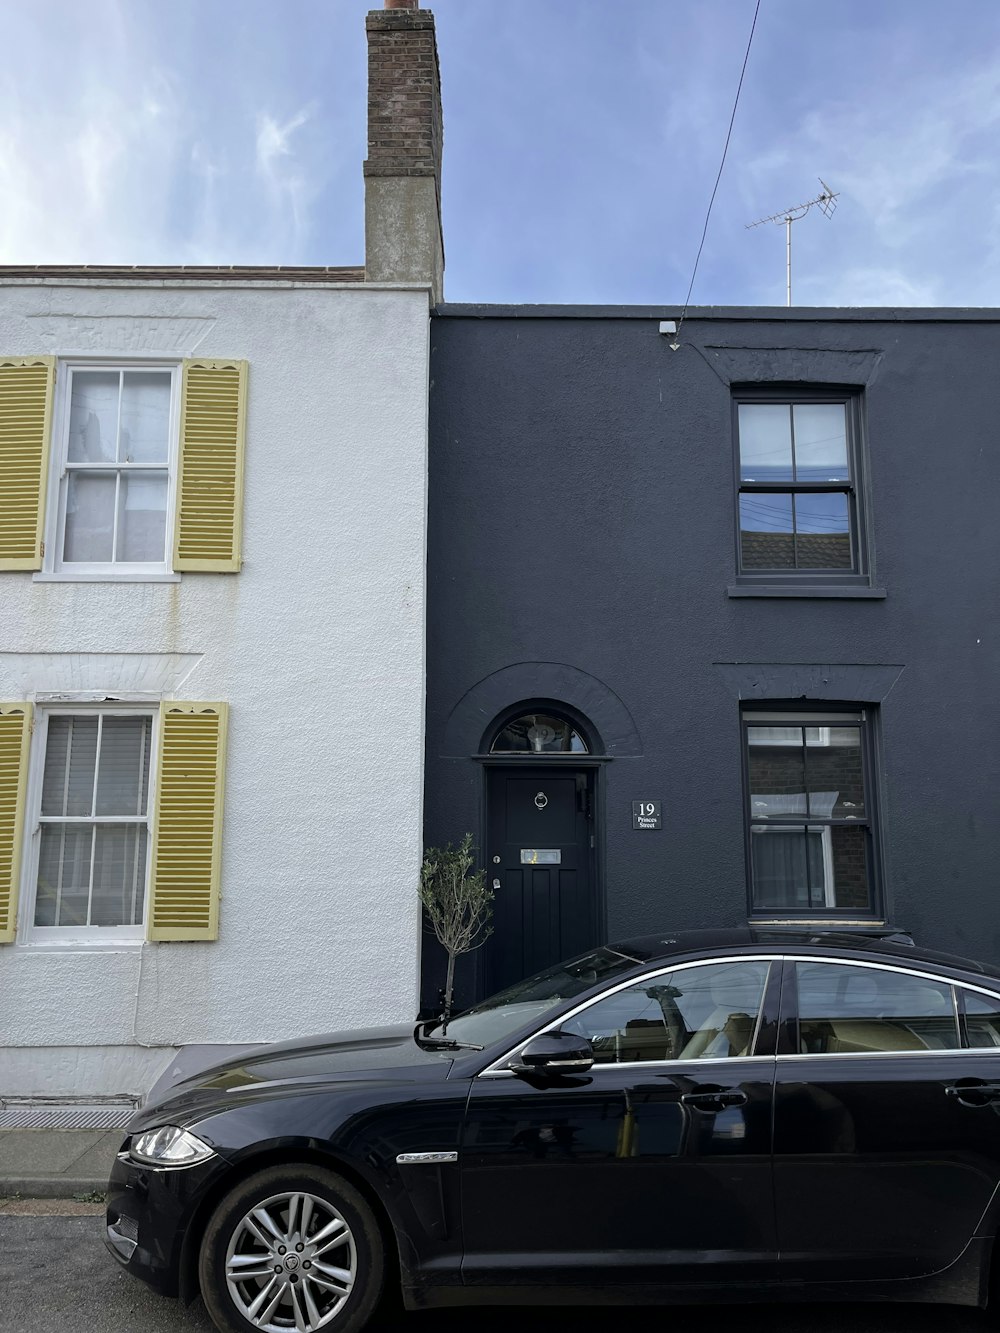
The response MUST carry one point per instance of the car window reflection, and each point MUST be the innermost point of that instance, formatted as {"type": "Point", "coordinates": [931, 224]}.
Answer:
{"type": "Point", "coordinates": [982, 1019]}
{"type": "Point", "coordinates": [699, 1013]}
{"type": "Point", "coordinates": [505, 1012]}
{"type": "Point", "coordinates": [846, 1010]}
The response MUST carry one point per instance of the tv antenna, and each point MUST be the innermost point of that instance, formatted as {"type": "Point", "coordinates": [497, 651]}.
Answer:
{"type": "Point", "coordinates": [827, 202]}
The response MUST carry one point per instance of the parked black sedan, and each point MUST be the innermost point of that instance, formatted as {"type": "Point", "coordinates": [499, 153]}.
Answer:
{"type": "Point", "coordinates": [685, 1118]}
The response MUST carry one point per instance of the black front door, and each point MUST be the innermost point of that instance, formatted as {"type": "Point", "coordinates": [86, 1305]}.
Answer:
{"type": "Point", "coordinates": [540, 861]}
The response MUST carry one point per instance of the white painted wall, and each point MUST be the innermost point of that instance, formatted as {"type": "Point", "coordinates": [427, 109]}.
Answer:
{"type": "Point", "coordinates": [318, 645]}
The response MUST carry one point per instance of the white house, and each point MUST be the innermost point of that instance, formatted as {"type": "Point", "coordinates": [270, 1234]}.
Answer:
{"type": "Point", "coordinates": [212, 553]}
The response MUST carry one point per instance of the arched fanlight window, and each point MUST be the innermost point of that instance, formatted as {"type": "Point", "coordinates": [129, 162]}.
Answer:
{"type": "Point", "coordinates": [538, 733]}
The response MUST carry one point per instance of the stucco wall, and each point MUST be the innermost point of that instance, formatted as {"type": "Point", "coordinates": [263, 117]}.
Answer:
{"type": "Point", "coordinates": [582, 513]}
{"type": "Point", "coordinates": [317, 645]}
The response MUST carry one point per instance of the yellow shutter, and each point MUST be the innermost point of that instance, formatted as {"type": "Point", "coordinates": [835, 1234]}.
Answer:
{"type": "Point", "coordinates": [209, 515]}
{"type": "Point", "coordinates": [26, 386]}
{"type": "Point", "coordinates": [15, 735]}
{"type": "Point", "coordinates": [187, 823]}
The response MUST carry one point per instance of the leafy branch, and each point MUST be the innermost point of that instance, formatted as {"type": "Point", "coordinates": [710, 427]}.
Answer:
{"type": "Point", "coordinates": [458, 904]}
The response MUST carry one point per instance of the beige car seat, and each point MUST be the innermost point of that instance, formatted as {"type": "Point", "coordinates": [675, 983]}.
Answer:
{"type": "Point", "coordinates": [728, 1030]}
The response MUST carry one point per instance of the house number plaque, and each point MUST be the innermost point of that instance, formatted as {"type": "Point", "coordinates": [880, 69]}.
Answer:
{"type": "Point", "coordinates": [646, 815]}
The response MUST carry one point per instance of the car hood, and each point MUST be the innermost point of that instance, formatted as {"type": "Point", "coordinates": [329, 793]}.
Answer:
{"type": "Point", "coordinates": [305, 1064]}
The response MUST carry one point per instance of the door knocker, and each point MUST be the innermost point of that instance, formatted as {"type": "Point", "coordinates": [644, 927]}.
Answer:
{"type": "Point", "coordinates": [541, 800]}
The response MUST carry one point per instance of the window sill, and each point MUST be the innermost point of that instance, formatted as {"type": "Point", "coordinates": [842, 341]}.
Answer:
{"type": "Point", "coordinates": [95, 577]}
{"type": "Point", "coordinates": [816, 590]}
{"type": "Point", "coordinates": [78, 945]}
{"type": "Point", "coordinates": [853, 924]}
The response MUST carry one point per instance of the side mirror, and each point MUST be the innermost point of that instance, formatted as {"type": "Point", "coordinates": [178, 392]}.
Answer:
{"type": "Point", "coordinates": [554, 1053]}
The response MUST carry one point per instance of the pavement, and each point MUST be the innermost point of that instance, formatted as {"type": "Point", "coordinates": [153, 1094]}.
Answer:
{"type": "Point", "coordinates": [56, 1163]}
{"type": "Point", "coordinates": [53, 1149]}
{"type": "Point", "coordinates": [56, 1277]}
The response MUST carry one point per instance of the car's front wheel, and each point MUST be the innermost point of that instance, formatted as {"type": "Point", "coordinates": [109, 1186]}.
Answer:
{"type": "Point", "coordinates": [293, 1247]}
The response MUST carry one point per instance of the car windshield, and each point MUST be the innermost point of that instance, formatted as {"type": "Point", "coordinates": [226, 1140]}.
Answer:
{"type": "Point", "coordinates": [504, 1013]}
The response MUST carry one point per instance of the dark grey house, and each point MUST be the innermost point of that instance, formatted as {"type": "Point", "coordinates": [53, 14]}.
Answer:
{"type": "Point", "coordinates": [713, 629]}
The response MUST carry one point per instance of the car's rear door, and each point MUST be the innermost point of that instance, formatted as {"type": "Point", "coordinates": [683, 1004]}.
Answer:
{"type": "Point", "coordinates": [886, 1131]}
{"type": "Point", "coordinates": [655, 1167]}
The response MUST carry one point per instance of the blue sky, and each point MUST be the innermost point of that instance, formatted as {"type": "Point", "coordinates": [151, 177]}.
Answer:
{"type": "Point", "coordinates": [582, 139]}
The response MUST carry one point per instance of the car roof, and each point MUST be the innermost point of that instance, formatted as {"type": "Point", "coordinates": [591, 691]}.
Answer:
{"type": "Point", "coordinates": [890, 945]}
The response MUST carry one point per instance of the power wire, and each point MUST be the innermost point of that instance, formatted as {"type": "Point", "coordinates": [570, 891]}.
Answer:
{"type": "Point", "coordinates": [729, 135]}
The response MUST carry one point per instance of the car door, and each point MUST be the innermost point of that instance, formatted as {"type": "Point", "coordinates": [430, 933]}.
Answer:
{"type": "Point", "coordinates": [886, 1137]}
{"type": "Point", "coordinates": [652, 1168]}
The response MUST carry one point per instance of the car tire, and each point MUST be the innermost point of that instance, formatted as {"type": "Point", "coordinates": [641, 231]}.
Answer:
{"type": "Point", "coordinates": [331, 1270]}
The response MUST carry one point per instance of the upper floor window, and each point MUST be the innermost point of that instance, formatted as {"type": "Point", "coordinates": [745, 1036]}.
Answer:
{"type": "Point", "coordinates": [811, 815]}
{"type": "Point", "coordinates": [115, 450]}
{"type": "Point", "coordinates": [800, 499]}
{"type": "Point", "coordinates": [128, 471]}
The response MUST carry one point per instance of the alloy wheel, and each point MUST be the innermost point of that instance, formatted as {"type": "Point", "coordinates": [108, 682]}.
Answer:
{"type": "Point", "coordinates": [291, 1263]}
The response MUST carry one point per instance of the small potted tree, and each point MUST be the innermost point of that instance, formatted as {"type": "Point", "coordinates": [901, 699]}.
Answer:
{"type": "Point", "coordinates": [458, 904]}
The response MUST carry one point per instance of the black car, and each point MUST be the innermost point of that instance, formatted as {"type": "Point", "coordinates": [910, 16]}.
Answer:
{"type": "Point", "coordinates": [686, 1118]}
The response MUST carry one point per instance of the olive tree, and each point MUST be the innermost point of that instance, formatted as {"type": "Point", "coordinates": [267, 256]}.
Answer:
{"type": "Point", "coordinates": [458, 904]}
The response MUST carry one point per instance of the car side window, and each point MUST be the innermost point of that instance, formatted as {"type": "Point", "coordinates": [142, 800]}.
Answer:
{"type": "Point", "coordinates": [846, 1010]}
{"type": "Point", "coordinates": [982, 1018]}
{"type": "Point", "coordinates": [697, 1013]}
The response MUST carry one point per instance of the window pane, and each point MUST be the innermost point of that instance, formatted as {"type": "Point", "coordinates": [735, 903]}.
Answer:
{"type": "Point", "coordinates": [789, 872]}
{"type": "Point", "coordinates": [822, 525]}
{"type": "Point", "coordinates": [835, 772]}
{"type": "Point", "coordinates": [538, 733]}
{"type": "Point", "coordinates": [699, 1013]}
{"type": "Point", "coordinates": [119, 874]}
{"type": "Point", "coordinates": [813, 867]}
{"type": "Point", "coordinates": [765, 431]}
{"type": "Point", "coordinates": [145, 419]}
{"type": "Point", "coordinates": [848, 860]}
{"type": "Point", "coordinates": [825, 783]}
{"type": "Point", "coordinates": [123, 770]}
{"type": "Point", "coordinates": [845, 1009]}
{"type": "Point", "coordinates": [63, 875]}
{"type": "Point", "coordinates": [93, 416]}
{"type": "Point", "coordinates": [70, 755]}
{"type": "Point", "coordinates": [90, 517]}
{"type": "Point", "coordinates": [982, 1019]}
{"type": "Point", "coordinates": [766, 531]}
{"type": "Point", "coordinates": [777, 774]}
{"type": "Point", "coordinates": [142, 516]}
{"type": "Point", "coordinates": [821, 442]}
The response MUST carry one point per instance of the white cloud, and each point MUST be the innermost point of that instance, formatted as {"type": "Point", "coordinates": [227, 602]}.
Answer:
{"type": "Point", "coordinates": [918, 181]}
{"type": "Point", "coordinates": [273, 140]}
{"type": "Point", "coordinates": [88, 181]}
{"type": "Point", "coordinates": [872, 286]}
{"type": "Point", "coordinates": [126, 159]}
{"type": "Point", "coordinates": [284, 175]}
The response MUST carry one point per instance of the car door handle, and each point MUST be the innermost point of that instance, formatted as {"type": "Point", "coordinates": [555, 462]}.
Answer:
{"type": "Point", "coordinates": [714, 1099]}
{"type": "Point", "coordinates": [973, 1092]}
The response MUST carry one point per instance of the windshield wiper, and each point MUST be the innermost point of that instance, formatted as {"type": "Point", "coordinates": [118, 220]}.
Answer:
{"type": "Point", "coordinates": [429, 1043]}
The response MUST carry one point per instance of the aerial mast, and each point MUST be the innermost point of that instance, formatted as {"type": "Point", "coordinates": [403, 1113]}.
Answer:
{"type": "Point", "coordinates": [827, 202]}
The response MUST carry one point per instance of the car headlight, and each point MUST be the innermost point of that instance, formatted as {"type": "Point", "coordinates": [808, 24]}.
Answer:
{"type": "Point", "coordinates": [169, 1146]}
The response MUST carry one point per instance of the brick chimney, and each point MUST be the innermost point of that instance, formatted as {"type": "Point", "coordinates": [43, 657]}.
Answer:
{"type": "Point", "coordinates": [403, 241]}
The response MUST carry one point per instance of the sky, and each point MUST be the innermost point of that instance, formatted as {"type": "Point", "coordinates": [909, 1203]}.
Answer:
{"type": "Point", "coordinates": [582, 141]}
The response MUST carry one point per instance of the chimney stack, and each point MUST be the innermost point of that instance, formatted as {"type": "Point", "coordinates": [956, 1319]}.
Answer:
{"type": "Point", "coordinates": [403, 241]}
